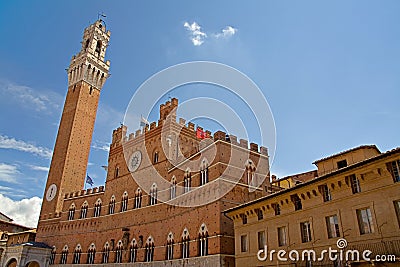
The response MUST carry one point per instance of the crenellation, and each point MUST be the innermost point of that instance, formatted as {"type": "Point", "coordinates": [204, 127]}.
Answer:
{"type": "Point", "coordinates": [233, 139]}
{"type": "Point", "coordinates": [263, 150]}
{"type": "Point", "coordinates": [254, 147]}
{"type": "Point", "coordinates": [191, 126]}
{"type": "Point", "coordinates": [169, 108]}
{"type": "Point", "coordinates": [174, 102]}
{"type": "Point", "coordinates": [84, 192]}
{"type": "Point", "coordinates": [122, 130]}
{"type": "Point", "coordinates": [182, 121]}
{"type": "Point", "coordinates": [244, 143]}
{"type": "Point", "coordinates": [219, 135]}
{"type": "Point", "coordinates": [119, 134]}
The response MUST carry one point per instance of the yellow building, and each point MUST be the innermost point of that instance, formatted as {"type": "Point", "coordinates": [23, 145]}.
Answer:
{"type": "Point", "coordinates": [353, 207]}
{"type": "Point", "coordinates": [293, 180]}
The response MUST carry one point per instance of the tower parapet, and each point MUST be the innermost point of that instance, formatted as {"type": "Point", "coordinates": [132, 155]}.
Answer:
{"type": "Point", "coordinates": [167, 108]}
{"type": "Point", "coordinates": [119, 134]}
{"type": "Point", "coordinates": [89, 65]}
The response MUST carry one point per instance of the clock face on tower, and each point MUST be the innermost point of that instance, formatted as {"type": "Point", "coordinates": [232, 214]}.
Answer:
{"type": "Point", "coordinates": [51, 192]}
{"type": "Point", "coordinates": [135, 160]}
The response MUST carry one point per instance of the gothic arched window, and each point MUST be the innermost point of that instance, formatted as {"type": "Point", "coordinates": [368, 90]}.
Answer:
{"type": "Point", "coordinates": [106, 253]}
{"type": "Point", "coordinates": [250, 170]}
{"type": "Point", "coordinates": [91, 254]}
{"type": "Point", "coordinates": [71, 212]}
{"type": "Point", "coordinates": [97, 208]}
{"type": "Point", "coordinates": [111, 206]}
{"type": "Point", "coordinates": [149, 253]}
{"type": "Point", "coordinates": [187, 181]}
{"type": "Point", "coordinates": [84, 210]}
{"type": "Point", "coordinates": [77, 254]}
{"type": "Point", "coordinates": [124, 202]}
{"type": "Point", "coordinates": [98, 47]}
{"type": "Point", "coordinates": [133, 251]}
{"type": "Point", "coordinates": [138, 198]}
{"type": "Point", "coordinates": [53, 255]}
{"type": "Point", "coordinates": [170, 246]}
{"type": "Point", "coordinates": [153, 195]}
{"type": "Point", "coordinates": [64, 255]}
{"type": "Point", "coordinates": [203, 240]}
{"type": "Point", "coordinates": [204, 172]}
{"type": "Point", "coordinates": [118, 252]}
{"type": "Point", "coordinates": [185, 243]}
{"type": "Point", "coordinates": [173, 188]}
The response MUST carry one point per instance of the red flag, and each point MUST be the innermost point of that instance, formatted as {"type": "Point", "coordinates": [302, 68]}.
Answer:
{"type": "Point", "coordinates": [200, 133]}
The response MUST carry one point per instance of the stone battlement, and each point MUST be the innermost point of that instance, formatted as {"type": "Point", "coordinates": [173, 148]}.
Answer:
{"type": "Point", "coordinates": [120, 135]}
{"type": "Point", "coordinates": [220, 135]}
{"type": "Point", "coordinates": [84, 192]}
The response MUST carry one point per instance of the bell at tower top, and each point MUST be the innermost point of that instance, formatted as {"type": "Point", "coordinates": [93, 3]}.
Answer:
{"type": "Point", "coordinates": [95, 39]}
{"type": "Point", "coordinates": [89, 64]}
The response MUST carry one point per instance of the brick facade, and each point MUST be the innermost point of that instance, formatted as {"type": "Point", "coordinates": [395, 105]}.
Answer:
{"type": "Point", "coordinates": [185, 227]}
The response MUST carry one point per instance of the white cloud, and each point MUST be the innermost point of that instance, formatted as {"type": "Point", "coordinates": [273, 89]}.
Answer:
{"type": "Point", "coordinates": [39, 168]}
{"type": "Point", "coordinates": [196, 35]}
{"type": "Point", "coordinates": [25, 211]}
{"type": "Point", "coordinates": [227, 32]}
{"type": "Point", "coordinates": [101, 146]}
{"type": "Point", "coordinates": [8, 173]}
{"type": "Point", "coordinates": [30, 98]}
{"type": "Point", "coordinates": [5, 188]}
{"type": "Point", "coordinates": [11, 143]}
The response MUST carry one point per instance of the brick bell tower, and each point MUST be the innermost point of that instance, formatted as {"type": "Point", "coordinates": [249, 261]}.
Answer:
{"type": "Point", "coordinates": [87, 73]}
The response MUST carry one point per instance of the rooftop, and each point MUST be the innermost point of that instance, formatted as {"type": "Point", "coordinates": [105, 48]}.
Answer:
{"type": "Point", "coordinates": [347, 151]}
{"type": "Point", "coordinates": [33, 244]}
{"type": "Point", "coordinates": [3, 216]}
{"type": "Point", "coordinates": [355, 165]}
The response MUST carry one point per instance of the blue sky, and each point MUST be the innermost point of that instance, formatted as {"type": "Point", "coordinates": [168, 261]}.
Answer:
{"type": "Point", "coordinates": [329, 70]}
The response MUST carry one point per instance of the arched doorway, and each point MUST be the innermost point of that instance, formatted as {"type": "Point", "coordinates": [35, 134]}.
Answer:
{"type": "Point", "coordinates": [12, 263]}
{"type": "Point", "coordinates": [32, 264]}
